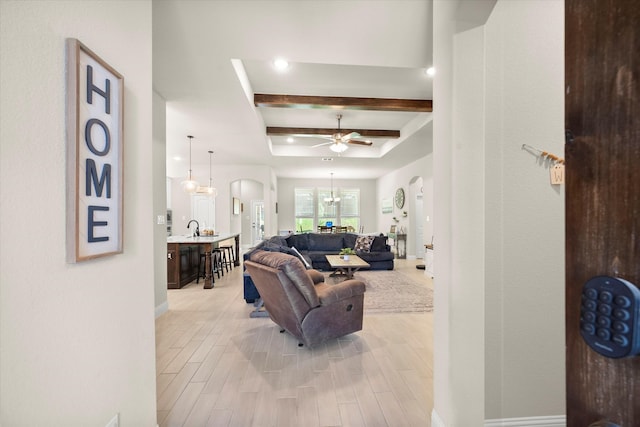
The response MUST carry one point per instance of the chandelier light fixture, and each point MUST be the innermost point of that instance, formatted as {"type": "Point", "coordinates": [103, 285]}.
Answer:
{"type": "Point", "coordinates": [210, 190]}
{"type": "Point", "coordinates": [189, 185]}
{"type": "Point", "coordinates": [331, 200]}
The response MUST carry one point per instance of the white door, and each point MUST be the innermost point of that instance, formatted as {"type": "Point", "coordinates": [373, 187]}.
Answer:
{"type": "Point", "coordinates": [257, 221]}
{"type": "Point", "coordinates": [419, 227]}
{"type": "Point", "coordinates": [203, 210]}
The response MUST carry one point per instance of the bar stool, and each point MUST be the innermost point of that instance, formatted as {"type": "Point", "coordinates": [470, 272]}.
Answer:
{"type": "Point", "coordinates": [220, 257]}
{"type": "Point", "coordinates": [230, 259]}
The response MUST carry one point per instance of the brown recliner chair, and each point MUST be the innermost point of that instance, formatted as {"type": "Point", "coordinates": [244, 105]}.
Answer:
{"type": "Point", "coordinates": [301, 303]}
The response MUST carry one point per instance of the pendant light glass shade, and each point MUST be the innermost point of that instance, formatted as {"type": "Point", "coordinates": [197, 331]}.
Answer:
{"type": "Point", "coordinates": [189, 185]}
{"type": "Point", "coordinates": [210, 190]}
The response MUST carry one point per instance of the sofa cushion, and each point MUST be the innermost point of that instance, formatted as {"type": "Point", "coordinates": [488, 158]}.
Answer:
{"type": "Point", "coordinates": [300, 241]}
{"type": "Point", "coordinates": [325, 242]}
{"type": "Point", "coordinates": [376, 256]}
{"type": "Point", "coordinates": [350, 240]}
{"type": "Point", "coordinates": [379, 244]}
{"type": "Point", "coordinates": [296, 252]}
{"type": "Point", "coordinates": [363, 243]}
{"type": "Point", "coordinates": [319, 256]}
{"type": "Point", "coordinates": [277, 240]}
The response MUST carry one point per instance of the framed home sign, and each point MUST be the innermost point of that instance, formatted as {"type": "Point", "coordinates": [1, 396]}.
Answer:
{"type": "Point", "coordinates": [94, 155]}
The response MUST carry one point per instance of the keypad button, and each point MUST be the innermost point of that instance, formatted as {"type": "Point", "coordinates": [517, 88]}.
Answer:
{"type": "Point", "coordinates": [604, 309]}
{"type": "Point", "coordinates": [591, 293]}
{"type": "Point", "coordinates": [621, 314]}
{"type": "Point", "coordinates": [621, 340]}
{"type": "Point", "coordinates": [604, 321]}
{"type": "Point", "coordinates": [606, 297]}
{"type": "Point", "coordinates": [589, 328]}
{"type": "Point", "coordinates": [620, 327]}
{"type": "Point", "coordinates": [603, 334]}
{"type": "Point", "coordinates": [589, 316]}
{"type": "Point", "coordinates": [590, 305]}
{"type": "Point", "coordinates": [622, 301]}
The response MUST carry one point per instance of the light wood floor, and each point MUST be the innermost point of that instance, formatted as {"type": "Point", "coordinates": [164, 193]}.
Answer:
{"type": "Point", "coordinates": [218, 367]}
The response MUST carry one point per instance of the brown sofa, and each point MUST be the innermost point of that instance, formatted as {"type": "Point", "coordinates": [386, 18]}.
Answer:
{"type": "Point", "coordinates": [301, 303]}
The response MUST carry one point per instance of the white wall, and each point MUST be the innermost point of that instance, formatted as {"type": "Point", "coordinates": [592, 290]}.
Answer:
{"type": "Point", "coordinates": [458, 199]}
{"type": "Point", "coordinates": [524, 212]}
{"type": "Point", "coordinates": [77, 339]}
{"type": "Point", "coordinates": [386, 187]}
{"type": "Point", "coordinates": [160, 204]}
{"type": "Point", "coordinates": [499, 263]}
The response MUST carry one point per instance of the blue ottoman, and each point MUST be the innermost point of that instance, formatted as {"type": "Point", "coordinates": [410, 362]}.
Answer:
{"type": "Point", "coordinates": [250, 292]}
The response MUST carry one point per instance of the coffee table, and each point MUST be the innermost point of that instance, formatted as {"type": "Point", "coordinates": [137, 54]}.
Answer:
{"type": "Point", "coordinates": [346, 267]}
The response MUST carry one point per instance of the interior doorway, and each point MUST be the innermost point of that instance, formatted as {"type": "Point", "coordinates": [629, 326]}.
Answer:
{"type": "Point", "coordinates": [249, 192]}
{"type": "Point", "coordinates": [257, 221]}
{"type": "Point", "coordinates": [203, 210]}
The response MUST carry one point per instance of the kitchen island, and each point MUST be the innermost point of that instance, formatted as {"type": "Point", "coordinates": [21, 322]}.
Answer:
{"type": "Point", "coordinates": [183, 257]}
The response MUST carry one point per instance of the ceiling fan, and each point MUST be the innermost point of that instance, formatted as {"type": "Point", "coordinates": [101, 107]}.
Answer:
{"type": "Point", "coordinates": [339, 140]}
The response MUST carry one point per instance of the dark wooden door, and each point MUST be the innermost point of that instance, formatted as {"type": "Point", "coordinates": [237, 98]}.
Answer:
{"type": "Point", "coordinates": [602, 111]}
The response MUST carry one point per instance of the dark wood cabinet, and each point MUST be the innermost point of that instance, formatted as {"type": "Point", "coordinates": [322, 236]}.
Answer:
{"type": "Point", "coordinates": [183, 262]}
{"type": "Point", "coordinates": [183, 258]}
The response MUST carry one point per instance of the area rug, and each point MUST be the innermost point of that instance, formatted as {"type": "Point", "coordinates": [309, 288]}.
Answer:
{"type": "Point", "coordinates": [391, 292]}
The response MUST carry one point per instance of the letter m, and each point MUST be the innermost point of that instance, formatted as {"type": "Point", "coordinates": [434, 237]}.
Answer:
{"type": "Point", "coordinates": [91, 175]}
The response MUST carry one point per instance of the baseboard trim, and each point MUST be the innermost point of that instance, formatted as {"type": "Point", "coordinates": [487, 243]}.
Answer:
{"type": "Point", "coordinates": [436, 421]}
{"type": "Point", "coordinates": [161, 309]}
{"type": "Point", "coordinates": [551, 421]}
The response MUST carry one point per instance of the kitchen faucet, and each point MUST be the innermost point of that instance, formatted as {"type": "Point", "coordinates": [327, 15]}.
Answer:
{"type": "Point", "coordinates": [197, 232]}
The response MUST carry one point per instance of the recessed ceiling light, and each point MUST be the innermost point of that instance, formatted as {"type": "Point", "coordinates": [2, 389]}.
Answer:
{"type": "Point", "coordinates": [430, 71]}
{"type": "Point", "coordinates": [177, 158]}
{"type": "Point", "coordinates": [290, 140]}
{"type": "Point", "coordinates": [281, 64]}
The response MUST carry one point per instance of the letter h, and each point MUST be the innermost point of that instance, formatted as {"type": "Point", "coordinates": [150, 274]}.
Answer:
{"type": "Point", "coordinates": [106, 94]}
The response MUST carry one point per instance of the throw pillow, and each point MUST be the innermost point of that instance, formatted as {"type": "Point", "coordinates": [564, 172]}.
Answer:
{"type": "Point", "coordinates": [363, 243]}
{"type": "Point", "coordinates": [299, 255]}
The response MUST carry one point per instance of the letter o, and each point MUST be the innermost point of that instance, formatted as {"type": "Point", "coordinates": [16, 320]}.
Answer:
{"type": "Point", "coordinates": [87, 137]}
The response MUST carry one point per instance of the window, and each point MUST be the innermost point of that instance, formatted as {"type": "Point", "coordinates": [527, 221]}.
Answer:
{"type": "Point", "coordinates": [350, 208]}
{"type": "Point", "coordinates": [304, 209]}
{"type": "Point", "coordinates": [312, 210]}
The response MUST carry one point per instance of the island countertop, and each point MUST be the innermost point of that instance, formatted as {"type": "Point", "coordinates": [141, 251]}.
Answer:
{"type": "Point", "coordinates": [201, 239]}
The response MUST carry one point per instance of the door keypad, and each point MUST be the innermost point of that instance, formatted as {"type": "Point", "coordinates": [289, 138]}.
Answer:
{"type": "Point", "coordinates": [610, 316]}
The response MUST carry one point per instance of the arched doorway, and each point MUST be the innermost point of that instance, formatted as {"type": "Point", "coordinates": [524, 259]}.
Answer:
{"type": "Point", "coordinates": [249, 220]}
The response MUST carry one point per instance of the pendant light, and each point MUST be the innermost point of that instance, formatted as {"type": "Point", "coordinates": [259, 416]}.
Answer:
{"type": "Point", "coordinates": [189, 185]}
{"type": "Point", "coordinates": [210, 190]}
{"type": "Point", "coordinates": [331, 200]}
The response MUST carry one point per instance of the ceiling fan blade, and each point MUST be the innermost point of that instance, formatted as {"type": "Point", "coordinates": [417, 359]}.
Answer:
{"type": "Point", "coordinates": [320, 145]}
{"type": "Point", "coordinates": [350, 136]}
{"type": "Point", "coordinates": [359, 142]}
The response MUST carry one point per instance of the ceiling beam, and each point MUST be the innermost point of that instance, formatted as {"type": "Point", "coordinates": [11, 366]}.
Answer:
{"type": "Point", "coordinates": [341, 102]}
{"type": "Point", "coordinates": [366, 133]}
